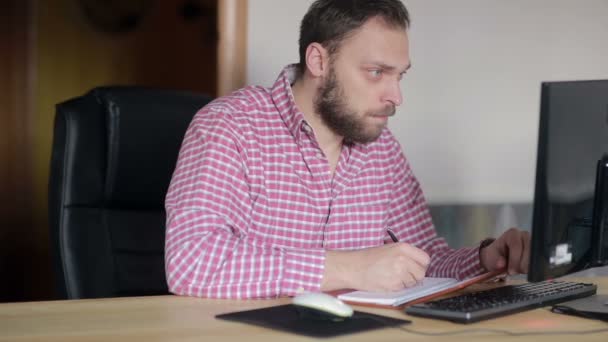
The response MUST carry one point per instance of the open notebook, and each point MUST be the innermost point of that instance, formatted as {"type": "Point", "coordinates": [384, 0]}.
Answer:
{"type": "Point", "coordinates": [428, 289]}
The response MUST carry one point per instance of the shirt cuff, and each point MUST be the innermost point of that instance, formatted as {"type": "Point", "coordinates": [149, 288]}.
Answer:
{"type": "Point", "coordinates": [472, 264]}
{"type": "Point", "coordinates": [302, 271]}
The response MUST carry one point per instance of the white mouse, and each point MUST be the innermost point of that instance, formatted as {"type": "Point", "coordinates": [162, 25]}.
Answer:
{"type": "Point", "coordinates": [322, 306]}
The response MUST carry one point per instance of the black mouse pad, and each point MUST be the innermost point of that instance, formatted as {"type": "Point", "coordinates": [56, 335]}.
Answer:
{"type": "Point", "coordinates": [286, 318]}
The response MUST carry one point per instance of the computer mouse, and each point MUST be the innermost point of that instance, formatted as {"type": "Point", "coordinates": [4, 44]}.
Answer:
{"type": "Point", "coordinates": [322, 306]}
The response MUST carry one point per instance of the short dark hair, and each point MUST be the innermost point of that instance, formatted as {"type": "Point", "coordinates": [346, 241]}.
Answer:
{"type": "Point", "coordinates": [329, 22]}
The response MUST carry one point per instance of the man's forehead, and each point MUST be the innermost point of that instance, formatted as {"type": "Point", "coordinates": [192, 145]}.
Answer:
{"type": "Point", "coordinates": [377, 42]}
{"type": "Point", "coordinates": [386, 57]}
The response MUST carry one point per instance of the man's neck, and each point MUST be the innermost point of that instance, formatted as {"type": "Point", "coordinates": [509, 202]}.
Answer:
{"type": "Point", "coordinates": [304, 92]}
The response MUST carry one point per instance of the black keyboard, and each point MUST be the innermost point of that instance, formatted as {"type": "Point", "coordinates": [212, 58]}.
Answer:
{"type": "Point", "coordinates": [477, 306]}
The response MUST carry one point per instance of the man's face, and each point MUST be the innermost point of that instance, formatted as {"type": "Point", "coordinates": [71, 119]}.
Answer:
{"type": "Point", "coordinates": [361, 88]}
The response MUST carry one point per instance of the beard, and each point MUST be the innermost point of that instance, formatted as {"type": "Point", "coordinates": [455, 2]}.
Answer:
{"type": "Point", "coordinates": [331, 104]}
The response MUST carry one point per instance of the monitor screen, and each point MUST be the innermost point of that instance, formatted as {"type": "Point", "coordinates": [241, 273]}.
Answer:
{"type": "Point", "coordinates": [573, 137]}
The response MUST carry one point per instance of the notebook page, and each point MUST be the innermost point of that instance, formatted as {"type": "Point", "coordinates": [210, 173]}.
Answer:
{"type": "Point", "coordinates": [426, 287]}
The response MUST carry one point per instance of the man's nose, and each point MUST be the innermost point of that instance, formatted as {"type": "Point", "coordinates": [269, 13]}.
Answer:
{"type": "Point", "coordinates": [393, 94]}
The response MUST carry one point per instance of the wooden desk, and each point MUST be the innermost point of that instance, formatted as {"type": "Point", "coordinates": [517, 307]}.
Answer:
{"type": "Point", "coordinates": [172, 318]}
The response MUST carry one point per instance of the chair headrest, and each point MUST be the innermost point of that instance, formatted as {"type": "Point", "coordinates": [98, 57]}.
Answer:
{"type": "Point", "coordinates": [116, 147]}
{"type": "Point", "coordinates": [144, 131]}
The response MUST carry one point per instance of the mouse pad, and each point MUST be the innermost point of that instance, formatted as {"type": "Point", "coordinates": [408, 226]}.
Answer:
{"type": "Point", "coordinates": [286, 318]}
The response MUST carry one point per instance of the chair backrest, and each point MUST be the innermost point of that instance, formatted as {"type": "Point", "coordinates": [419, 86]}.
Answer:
{"type": "Point", "coordinates": [114, 151]}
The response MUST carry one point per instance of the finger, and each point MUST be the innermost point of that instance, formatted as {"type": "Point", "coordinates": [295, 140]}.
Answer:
{"type": "Point", "coordinates": [418, 273]}
{"type": "Point", "coordinates": [408, 279]}
{"type": "Point", "coordinates": [412, 274]}
{"type": "Point", "coordinates": [417, 255]}
{"type": "Point", "coordinates": [525, 259]}
{"type": "Point", "coordinates": [492, 257]}
{"type": "Point", "coordinates": [410, 283]}
{"type": "Point", "coordinates": [413, 280]}
{"type": "Point", "coordinates": [501, 262]}
{"type": "Point", "coordinates": [515, 250]}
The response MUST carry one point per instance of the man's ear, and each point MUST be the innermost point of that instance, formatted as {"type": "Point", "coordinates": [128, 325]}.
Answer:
{"type": "Point", "coordinates": [317, 60]}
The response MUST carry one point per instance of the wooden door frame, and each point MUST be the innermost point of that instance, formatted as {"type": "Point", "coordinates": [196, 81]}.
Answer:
{"type": "Point", "coordinates": [17, 72]}
{"type": "Point", "coordinates": [232, 45]}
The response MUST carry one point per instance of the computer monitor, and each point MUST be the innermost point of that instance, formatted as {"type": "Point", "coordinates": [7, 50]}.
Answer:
{"type": "Point", "coordinates": [569, 225]}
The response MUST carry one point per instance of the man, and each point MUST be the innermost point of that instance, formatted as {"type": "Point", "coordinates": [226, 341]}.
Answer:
{"type": "Point", "coordinates": [295, 188]}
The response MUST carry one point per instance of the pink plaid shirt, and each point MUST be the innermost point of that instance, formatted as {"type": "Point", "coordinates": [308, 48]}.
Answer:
{"type": "Point", "coordinates": [252, 206]}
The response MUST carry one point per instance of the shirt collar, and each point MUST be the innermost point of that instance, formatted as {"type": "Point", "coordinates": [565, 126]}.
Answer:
{"type": "Point", "coordinates": [282, 96]}
{"type": "Point", "coordinates": [284, 101]}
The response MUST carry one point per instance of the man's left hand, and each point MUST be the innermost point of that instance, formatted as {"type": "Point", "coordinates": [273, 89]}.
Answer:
{"type": "Point", "coordinates": [510, 250]}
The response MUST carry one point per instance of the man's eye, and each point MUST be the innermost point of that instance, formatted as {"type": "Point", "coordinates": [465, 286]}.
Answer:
{"type": "Point", "coordinates": [375, 73]}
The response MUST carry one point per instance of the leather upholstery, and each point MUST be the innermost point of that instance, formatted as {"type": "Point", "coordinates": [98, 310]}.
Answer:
{"type": "Point", "coordinates": [114, 151]}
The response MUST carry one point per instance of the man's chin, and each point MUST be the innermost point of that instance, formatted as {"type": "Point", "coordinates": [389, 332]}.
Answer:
{"type": "Point", "coordinates": [368, 138]}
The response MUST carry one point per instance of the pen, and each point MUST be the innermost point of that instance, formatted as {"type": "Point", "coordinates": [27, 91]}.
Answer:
{"type": "Point", "coordinates": [392, 235]}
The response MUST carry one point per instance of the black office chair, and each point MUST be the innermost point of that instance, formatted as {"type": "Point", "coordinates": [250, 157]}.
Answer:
{"type": "Point", "coordinates": [114, 151]}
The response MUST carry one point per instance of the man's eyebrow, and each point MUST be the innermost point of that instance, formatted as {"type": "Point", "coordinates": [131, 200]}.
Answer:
{"type": "Point", "coordinates": [391, 67]}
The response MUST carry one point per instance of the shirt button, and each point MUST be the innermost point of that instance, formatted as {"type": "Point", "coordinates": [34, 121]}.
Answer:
{"type": "Point", "coordinates": [306, 128]}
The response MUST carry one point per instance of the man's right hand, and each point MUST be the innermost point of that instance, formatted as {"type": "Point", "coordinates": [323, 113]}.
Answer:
{"type": "Point", "coordinates": [390, 267]}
